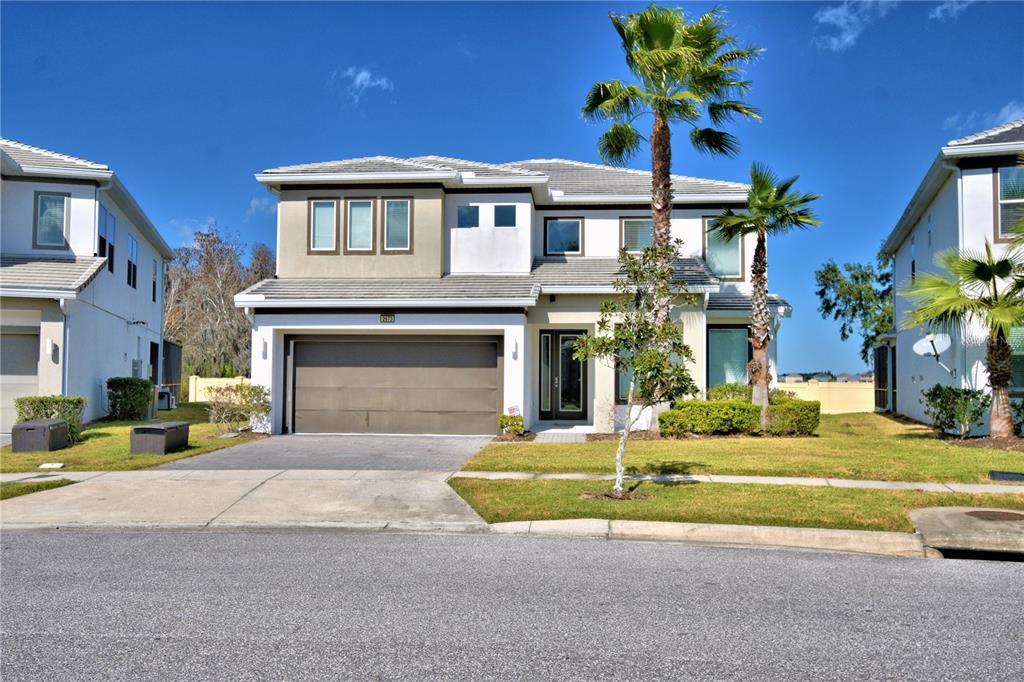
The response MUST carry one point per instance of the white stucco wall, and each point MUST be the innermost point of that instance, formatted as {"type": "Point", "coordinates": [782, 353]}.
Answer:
{"type": "Point", "coordinates": [486, 248]}
{"type": "Point", "coordinates": [17, 199]}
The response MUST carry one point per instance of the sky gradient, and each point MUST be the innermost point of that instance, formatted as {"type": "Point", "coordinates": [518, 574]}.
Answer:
{"type": "Point", "coordinates": [187, 101]}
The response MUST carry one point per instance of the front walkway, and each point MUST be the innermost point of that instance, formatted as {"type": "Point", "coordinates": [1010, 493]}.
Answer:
{"type": "Point", "coordinates": [764, 480]}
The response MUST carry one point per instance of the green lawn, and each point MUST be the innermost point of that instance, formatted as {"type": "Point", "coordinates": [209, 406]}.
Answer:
{"type": "Point", "coordinates": [13, 489]}
{"type": "Point", "coordinates": [765, 505]}
{"type": "Point", "coordinates": [106, 445]}
{"type": "Point", "coordinates": [860, 446]}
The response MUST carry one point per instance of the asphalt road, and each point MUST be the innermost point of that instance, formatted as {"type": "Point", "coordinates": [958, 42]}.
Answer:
{"type": "Point", "coordinates": [312, 605]}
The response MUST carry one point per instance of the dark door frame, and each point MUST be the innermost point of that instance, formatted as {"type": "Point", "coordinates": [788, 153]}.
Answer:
{"type": "Point", "coordinates": [554, 413]}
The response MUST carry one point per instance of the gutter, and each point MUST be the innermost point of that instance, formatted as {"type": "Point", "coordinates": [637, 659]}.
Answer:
{"type": "Point", "coordinates": [258, 301]}
{"type": "Point", "coordinates": [56, 294]}
{"type": "Point", "coordinates": [278, 178]}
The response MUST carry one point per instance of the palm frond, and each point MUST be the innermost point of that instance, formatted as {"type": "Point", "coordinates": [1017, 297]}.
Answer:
{"type": "Point", "coordinates": [612, 100]}
{"type": "Point", "coordinates": [727, 110]}
{"type": "Point", "coordinates": [732, 224]}
{"type": "Point", "coordinates": [619, 143]}
{"type": "Point", "coordinates": [712, 141]}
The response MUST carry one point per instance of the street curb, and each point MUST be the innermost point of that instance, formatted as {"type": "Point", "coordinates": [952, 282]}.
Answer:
{"type": "Point", "coordinates": [853, 541]}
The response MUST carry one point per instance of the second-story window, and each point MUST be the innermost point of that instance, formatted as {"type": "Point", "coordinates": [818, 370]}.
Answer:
{"type": "Point", "coordinates": [133, 262]}
{"type": "Point", "coordinates": [469, 216]}
{"type": "Point", "coordinates": [51, 221]}
{"type": "Point", "coordinates": [323, 228]}
{"type": "Point", "coordinates": [723, 257]}
{"type": "Point", "coordinates": [359, 226]}
{"type": "Point", "coordinates": [156, 273]}
{"type": "Point", "coordinates": [107, 236]}
{"type": "Point", "coordinates": [505, 215]}
{"type": "Point", "coordinates": [637, 234]}
{"type": "Point", "coordinates": [563, 236]}
{"type": "Point", "coordinates": [397, 225]}
{"type": "Point", "coordinates": [1011, 198]}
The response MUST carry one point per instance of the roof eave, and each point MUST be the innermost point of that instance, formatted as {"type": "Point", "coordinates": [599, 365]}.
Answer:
{"type": "Point", "coordinates": [271, 179]}
{"type": "Point", "coordinates": [55, 294]}
{"type": "Point", "coordinates": [73, 173]}
{"type": "Point", "coordinates": [992, 149]}
{"type": "Point", "coordinates": [260, 301]}
{"type": "Point", "coordinates": [561, 198]}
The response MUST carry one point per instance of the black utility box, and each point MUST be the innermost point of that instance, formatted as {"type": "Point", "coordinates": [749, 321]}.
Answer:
{"type": "Point", "coordinates": [159, 438]}
{"type": "Point", "coordinates": [39, 435]}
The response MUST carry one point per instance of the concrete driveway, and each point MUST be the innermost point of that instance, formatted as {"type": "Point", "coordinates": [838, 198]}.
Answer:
{"type": "Point", "coordinates": [378, 452]}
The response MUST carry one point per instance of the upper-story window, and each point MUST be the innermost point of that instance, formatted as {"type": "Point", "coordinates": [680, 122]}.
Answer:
{"type": "Point", "coordinates": [398, 225]}
{"type": "Point", "coordinates": [133, 262]}
{"type": "Point", "coordinates": [156, 273]}
{"type": "Point", "coordinates": [563, 236]}
{"type": "Point", "coordinates": [505, 215]}
{"type": "Point", "coordinates": [52, 211]}
{"type": "Point", "coordinates": [359, 226]}
{"type": "Point", "coordinates": [107, 236]}
{"type": "Point", "coordinates": [637, 234]}
{"type": "Point", "coordinates": [1011, 198]}
{"type": "Point", "coordinates": [724, 257]}
{"type": "Point", "coordinates": [469, 216]}
{"type": "Point", "coordinates": [323, 225]}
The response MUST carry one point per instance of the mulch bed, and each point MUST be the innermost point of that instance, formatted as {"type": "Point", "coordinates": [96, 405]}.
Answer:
{"type": "Point", "coordinates": [1010, 444]}
{"type": "Point", "coordinates": [635, 435]}
{"type": "Point", "coordinates": [618, 497]}
{"type": "Point", "coordinates": [513, 438]}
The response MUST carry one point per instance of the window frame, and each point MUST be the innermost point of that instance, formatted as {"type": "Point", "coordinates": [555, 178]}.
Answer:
{"type": "Point", "coordinates": [622, 229]}
{"type": "Point", "coordinates": [310, 250]}
{"type": "Point", "coordinates": [385, 249]}
{"type": "Point", "coordinates": [742, 277]}
{"type": "Point", "coordinates": [65, 232]}
{"type": "Point", "coordinates": [709, 327]}
{"type": "Point", "coordinates": [156, 267]}
{"type": "Point", "coordinates": [458, 211]}
{"type": "Point", "coordinates": [567, 254]}
{"type": "Point", "coordinates": [998, 236]}
{"type": "Point", "coordinates": [515, 217]}
{"type": "Point", "coordinates": [132, 273]}
{"type": "Point", "coordinates": [372, 251]}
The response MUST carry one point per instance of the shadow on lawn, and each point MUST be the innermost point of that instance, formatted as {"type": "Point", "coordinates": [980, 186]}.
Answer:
{"type": "Point", "coordinates": [664, 468]}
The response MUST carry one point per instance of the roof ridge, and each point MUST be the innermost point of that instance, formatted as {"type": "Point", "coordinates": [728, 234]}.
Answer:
{"type": "Point", "coordinates": [50, 152]}
{"type": "Point", "coordinates": [1002, 127]}
{"type": "Point", "coordinates": [375, 157]}
{"type": "Point", "coordinates": [601, 166]}
{"type": "Point", "coordinates": [503, 166]}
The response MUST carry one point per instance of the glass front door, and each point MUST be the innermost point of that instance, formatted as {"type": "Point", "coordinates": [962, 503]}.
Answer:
{"type": "Point", "coordinates": [563, 379]}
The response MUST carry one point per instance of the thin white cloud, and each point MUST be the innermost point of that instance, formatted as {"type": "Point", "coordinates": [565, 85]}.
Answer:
{"type": "Point", "coordinates": [974, 121]}
{"type": "Point", "coordinates": [356, 81]}
{"type": "Point", "coordinates": [463, 49]}
{"type": "Point", "coordinates": [840, 26]}
{"type": "Point", "coordinates": [950, 9]}
{"type": "Point", "coordinates": [259, 206]}
{"type": "Point", "coordinates": [183, 230]}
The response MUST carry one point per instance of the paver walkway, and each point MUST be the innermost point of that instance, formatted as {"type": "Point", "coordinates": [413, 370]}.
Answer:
{"type": "Point", "coordinates": [764, 480]}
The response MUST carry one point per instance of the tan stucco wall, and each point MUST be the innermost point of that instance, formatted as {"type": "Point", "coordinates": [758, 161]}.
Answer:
{"type": "Point", "coordinates": [46, 315]}
{"type": "Point", "coordinates": [426, 259]}
{"type": "Point", "coordinates": [835, 397]}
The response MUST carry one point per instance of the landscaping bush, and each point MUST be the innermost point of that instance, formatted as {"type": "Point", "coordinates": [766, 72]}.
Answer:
{"type": "Point", "coordinates": [793, 417]}
{"type": "Point", "coordinates": [129, 397]}
{"type": "Point", "coordinates": [512, 423]}
{"type": "Point", "coordinates": [66, 407]}
{"type": "Point", "coordinates": [952, 408]}
{"type": "Point", "coordinates": [237, 405]}
{"type": "Point", "coordinates": [745, 392]}
{"type": "Point", "coordinates": [710, 417]}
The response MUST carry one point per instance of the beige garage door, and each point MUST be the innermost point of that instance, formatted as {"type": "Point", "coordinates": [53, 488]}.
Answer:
{"type": "Point", "coordinates": [19, 365]}
{"type": "Point", "coordinates": [397, 385]}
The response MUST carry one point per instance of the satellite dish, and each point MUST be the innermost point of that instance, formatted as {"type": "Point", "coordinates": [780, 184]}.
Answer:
{"type": "Point", "coordinates": [933, 345]}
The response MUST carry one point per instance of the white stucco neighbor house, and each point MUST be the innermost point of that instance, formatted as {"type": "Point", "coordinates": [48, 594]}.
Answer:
{"type": "Point", "coordinates": [81, 280]}
{"type": "Point", "coordinates": [431, 294]}
{"type": "Point", "coordinates": [972, 192]}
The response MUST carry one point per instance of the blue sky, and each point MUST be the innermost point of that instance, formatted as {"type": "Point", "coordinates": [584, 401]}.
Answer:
{"type": "Point", "coordinates": [186, 101]}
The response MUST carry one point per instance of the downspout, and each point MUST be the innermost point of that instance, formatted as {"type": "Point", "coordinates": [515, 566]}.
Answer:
{"type": "Point", "coordinates": [64, 309]}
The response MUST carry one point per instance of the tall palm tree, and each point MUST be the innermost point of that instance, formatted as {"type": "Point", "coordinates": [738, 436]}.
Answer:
{"type": "Point", "coordinates": [979, 288]}
{"type": "Point", "coordinates": [773, 208]}
{"type": "Point", "coordinates": [683, 72]}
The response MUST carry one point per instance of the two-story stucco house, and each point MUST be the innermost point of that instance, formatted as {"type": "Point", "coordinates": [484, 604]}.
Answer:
{"type": "Point", "coordinates": [972, 192]}
{"type": "Point", "coordinates": [81, 280]}
{"type": "Point", "coordinates": [431, 294]}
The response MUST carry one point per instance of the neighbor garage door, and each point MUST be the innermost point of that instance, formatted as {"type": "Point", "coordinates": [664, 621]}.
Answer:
{"type": "Point", "coordinates": [396, 385]}
{"type": "Point", "coordinates": [19, 364]}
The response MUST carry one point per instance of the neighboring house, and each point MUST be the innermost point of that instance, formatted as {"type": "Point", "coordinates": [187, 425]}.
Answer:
{"type": "Point", "coordinates": [973, 192]}
{"type": "Point", "coordinates": [81, 280]}
{"type": "Point", "coordinates": [430, 294]}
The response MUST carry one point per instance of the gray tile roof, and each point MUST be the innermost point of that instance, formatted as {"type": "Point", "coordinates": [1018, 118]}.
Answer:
{"type": "Point", "coordinates": [1012, 131]}
{"type": "Point", "coordinates": [27, 155]}
{"type": "Point", "coordinates": [589, 272]}
{"type": "Point", "coordinates": [740, 303]}
{"type": "Point", "coordinates": [458, 287]}
{"type": "Point", "coordinates": [579, 178]}
{"type": "Point", "coordinates": [480, 168]}
{"type": "Point", "coordinates": [45, 273]}
{"type": "Point", "coordinates": [366, 164]}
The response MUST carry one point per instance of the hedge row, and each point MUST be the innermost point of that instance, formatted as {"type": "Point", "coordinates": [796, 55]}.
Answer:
{"type": "Point", "coordinates": [129, 397]}
{"type": "Point", "coordinates": [724, 417]}
{"type": "Point", "coordinates": [68, 408]}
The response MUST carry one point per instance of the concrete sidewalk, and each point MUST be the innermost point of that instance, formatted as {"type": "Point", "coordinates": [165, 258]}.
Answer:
{"type": "Point", "coordinates": [763, 480]}
{"type": "Point", "coordinates": [264, 498]}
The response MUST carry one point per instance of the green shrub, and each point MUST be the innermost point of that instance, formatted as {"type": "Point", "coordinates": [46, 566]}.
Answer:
{"type": "Point", "coordinates": [129, 397]}
{"type": "Point", "coordinates": [512, 423]}
{"type": "Point", "coordinates": [745, 392]}
{"type": "Point", "coordinates": [711, 417]}
{"type": "Point", "coordinates": [952, 408]}
{"type": "Point", "coordinates": [1017, 407]}
{"type": "Point", "coordinates": [793, 417]}
{"type": "Point", "coordinates": [237, 405]}
{"type": "Point", "coordinates": [66, 407]}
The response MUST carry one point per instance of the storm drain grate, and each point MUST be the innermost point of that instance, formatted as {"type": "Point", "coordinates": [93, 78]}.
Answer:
{"type": "Point", "coordinates": [995, 515]}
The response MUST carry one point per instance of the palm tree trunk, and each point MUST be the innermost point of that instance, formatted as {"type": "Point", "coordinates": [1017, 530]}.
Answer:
{"type": "Point", "coordinates": [999, 358]}
{"type": "Point", "coordinates": [661, 199]}
{"type": "Point", "coordinates": [760, 322]}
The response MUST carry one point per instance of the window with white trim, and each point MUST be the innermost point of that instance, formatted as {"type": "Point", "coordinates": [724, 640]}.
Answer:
{"type": "Point", "coordinates": [1011, 198]}
{"type": "Point", "coordinates": [563, 236]}
{"type": "Point", "coordinates": [51, 220]}
{"type": "Point", "coordinates": [323, 229]}
{"type": "Point", "coordinates": [133, 263]}
{"type": "Point", "coordinates": [637, 234]}
{"type": "Point", "coordinates": [397, 224]}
